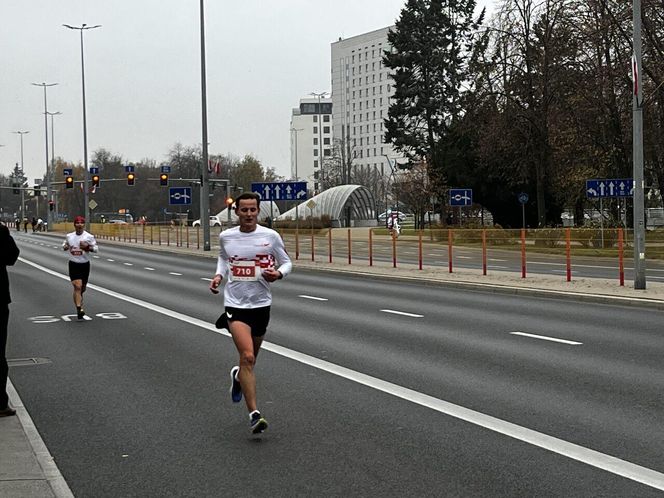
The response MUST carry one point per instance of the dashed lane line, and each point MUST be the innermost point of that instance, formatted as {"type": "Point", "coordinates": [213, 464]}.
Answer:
{"type": "Point", "coordinates": [546, 338]}
{"type": "Point", "coordinates": [175, 273]}
{"type": "Point", "coordinates": [313, 298]}
{"type": "Point", "coordinates": [573, 451]}
{"type": "Point", "coordinates": [403, 313]}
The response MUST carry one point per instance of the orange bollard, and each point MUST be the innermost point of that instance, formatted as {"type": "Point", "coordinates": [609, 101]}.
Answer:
{"type": "Point", "coordinates": [523, 253]}
{"type": "Point", "coordinates": [621, 263]}
{"type": "Point", "coordinates": [449, 249]}
{"type": "Point", "coordinates": [371, 247]}
{"type": "Point", "coordinates": [567, 254]}
{"type": "Point", "coordinates": [484, 251]}
{"type": "Point", "coordinates": [420, 248]}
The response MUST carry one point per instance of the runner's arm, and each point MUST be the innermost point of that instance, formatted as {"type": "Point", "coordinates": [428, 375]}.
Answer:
{"type": "Point", "coordinates": [282, 257]}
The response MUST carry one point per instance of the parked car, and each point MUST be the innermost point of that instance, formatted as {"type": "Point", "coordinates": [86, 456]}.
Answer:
{"type": "Point", "coordinates": [214, 222]}
{"type": "Point", "coordinates": [387, 214]}
{"type": "Point", "coordinates": [118, 222]}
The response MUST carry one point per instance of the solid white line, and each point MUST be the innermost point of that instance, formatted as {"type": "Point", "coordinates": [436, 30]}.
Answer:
{"type": "Point", "coordinates": [176, 274]}
{"type": "Point", "coordinates": [594, 458]}
{"type": "Point", "coordinates": [314, 298]}
{"type": "Point", "coordinates": [394, 312]}
{"type": "Point", "coordinates": [545, 338]}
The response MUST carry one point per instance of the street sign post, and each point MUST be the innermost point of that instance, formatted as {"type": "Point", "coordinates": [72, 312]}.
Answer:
{"type": "Point", "coordinates": [610, 187]}
{"type": "Point", "coordinates": [523, 199]}
{"type": "Point", "coordinates": [280, 191]}
{"type": "Point", "coordinates": [179, 196]}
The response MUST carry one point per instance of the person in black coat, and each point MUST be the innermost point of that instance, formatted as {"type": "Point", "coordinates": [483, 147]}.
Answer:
{"type": "Point", "coordinates": [8, 256]}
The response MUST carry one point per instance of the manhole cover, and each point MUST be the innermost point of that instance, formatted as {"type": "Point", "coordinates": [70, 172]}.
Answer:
{"type": "Point", "coordinates": [26, 362]}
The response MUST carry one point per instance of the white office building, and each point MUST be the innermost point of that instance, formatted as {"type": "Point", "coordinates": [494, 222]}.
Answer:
{"type": "Point", "coordinates": [311, 139]}
{"type": "Point", "coordinates": [361, 91]}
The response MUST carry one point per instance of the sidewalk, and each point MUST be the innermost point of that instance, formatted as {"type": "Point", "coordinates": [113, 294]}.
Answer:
{"type": "Point", "coordinates": [27, 469]}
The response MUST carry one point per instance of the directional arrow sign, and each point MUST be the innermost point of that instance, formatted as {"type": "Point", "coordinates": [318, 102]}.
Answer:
{"type": "Point", "coordinates": [610, 187]}
{"type": "Point", "coordinates": [179, 195]}
{"type": "Point", "coordinates": [461, 197]}
{"type": "Point", "coordinates": [280, 191]}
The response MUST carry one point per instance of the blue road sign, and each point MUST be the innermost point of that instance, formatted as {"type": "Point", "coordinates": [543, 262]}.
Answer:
{"type": "Point", "coordinates": [610, 187]}
{"type": "Point", "coordinates": [94, 170]}
{"type": "Point", "coordinates": [179, 195]}
{"type": "Point", "coordinates": [523, 197]}
{"type": "Point", "coordinates": [67, 171]}
{"type": "Point", "coordinates": [461, 196]}
{"type": "Point", "coordinates": [165, 169]}
{"type": "Point", "coordinates": [281, 191]}
{"type": "Point", "coordinates": [129, 169]}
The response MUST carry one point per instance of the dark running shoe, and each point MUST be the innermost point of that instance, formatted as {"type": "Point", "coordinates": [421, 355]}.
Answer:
{"type": "Point", "coordinates": [258, 423]}
{"type": "Point", "coordinates": [236, 388]}
{"type": "Point", "coordinates": [80, 313]}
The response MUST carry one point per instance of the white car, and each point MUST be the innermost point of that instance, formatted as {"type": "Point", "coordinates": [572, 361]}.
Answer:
{"type": "Point", "coordinates": [214, 222]}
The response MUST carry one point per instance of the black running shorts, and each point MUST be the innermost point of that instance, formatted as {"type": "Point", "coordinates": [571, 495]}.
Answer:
{"type": "Point", "coordinates": [79, 271]}
{"type": "Point", "coordinates": [256, 318]}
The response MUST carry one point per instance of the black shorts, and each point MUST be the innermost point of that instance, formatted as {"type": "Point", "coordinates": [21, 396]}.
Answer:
{"type": "Point", "coordinates": [79, 271]}
{"type": "Point", "coordinates": [256, 318]}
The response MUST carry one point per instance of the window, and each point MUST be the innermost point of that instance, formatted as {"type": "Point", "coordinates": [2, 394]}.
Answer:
{"type": "Point", "coordinates": [326, 141]}
{"type": "Point", "coordinates": [326, 129]}
{"type": "Point", "coordinates": [315, 129]}
{"type": "Point", "coordinates": [315, 163]}
{"type": "Point", "coordinates": [315, 175]}
{"type": "Point", "coordinates": [327, 152]}
{"type": "Point", "coordinates": [315, 140]}
{"type": "Point", "coordinates": [315, 152]}
{"type": "Point", "coordinates": [315, 119]}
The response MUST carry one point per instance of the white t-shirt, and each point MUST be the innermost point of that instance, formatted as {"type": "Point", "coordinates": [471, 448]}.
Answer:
{"type": "Point", "coordinates": [242, 258]}
{"type": "Point", "coordinates": [76, 254]}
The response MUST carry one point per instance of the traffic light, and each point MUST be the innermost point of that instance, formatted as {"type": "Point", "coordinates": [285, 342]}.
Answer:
{"type": "Point", "coordinates": [51, 205]}
{"type": "Point", "coordinates": [163, 180]}
{"type": "Point", "coordinates": [17, 189]}
{"type": "Point", "coordinates": [37, 190]}
{"type": "Point", "coordinates": [95, 180]}
{"type": "Point", "coordinates": [130, 179]}
{"type": "Point", "coordinates": [69, 181]}
{"type": "Point", "coordinates": [229, 202]}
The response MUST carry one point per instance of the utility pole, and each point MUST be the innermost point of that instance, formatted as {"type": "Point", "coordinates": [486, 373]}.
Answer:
{"type": "Point", "coordinates": [637, 146]}
{"type": "Point", "coordinates": [49, 222]}
{"type": "Point", "coordinates": [205, 186]}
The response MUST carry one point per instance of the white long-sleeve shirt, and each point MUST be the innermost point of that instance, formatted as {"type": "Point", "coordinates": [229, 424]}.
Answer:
{"type": "Point", "coordinates": [76, 254]}
{"type": "Point", "coordinates": [242, 258]}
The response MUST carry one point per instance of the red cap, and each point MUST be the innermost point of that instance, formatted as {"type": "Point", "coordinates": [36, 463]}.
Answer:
{"type": "Point", "coordinates": [79, 219]}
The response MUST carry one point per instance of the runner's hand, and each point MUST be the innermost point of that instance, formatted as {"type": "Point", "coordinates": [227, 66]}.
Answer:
{"type": "Point", "coordinates": [271, 274]}
{"type": "Point", "coordinates": [214, 284]}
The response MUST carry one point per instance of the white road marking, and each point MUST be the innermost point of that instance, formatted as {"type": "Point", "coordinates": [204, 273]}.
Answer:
{"type": "Point", "coordinates": [545, 338]}
{"type": "Point", "coordinates": [174, 273]}
{"type": "Point", "coordinates": [111, 260]}
{"type": "Point", "coordinates": [573, 451]}
{"type": "Point", "coordinates": [206, 279]}
{"type": "Point", "coordinates": [96, 257]}
{"type": "Point", "coordinates": [403, 313]}
{"type": "Point", "coordinates": [497, 260]}
{"type": "Point", "coordinates": [128, 264]}
{"type": "Point", "coordinates": [463, 257]}
{"type": "Point", "coordinates": [148, 268]}
{"type": "Point", "coordinates": [314, 298]}
{"type": "Point", "coordinates": [496, 267]}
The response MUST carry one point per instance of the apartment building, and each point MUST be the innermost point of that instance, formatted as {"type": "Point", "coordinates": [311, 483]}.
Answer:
{"type": "Point", "coordinates": [311, 139]}
{"type": "Point", "coordinates": [361, 91]}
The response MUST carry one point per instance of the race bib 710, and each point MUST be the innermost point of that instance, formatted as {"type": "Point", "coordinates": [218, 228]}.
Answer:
{"type": "Point", "coordinates": [243, 271]}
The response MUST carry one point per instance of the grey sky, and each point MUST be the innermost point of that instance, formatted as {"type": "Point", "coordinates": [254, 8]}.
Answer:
{"type": "Point", "coordinates": [142, 70]}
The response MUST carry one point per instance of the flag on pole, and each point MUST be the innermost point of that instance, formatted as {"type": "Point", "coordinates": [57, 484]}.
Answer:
{"type": "Point", "coordinates": [209, 165]}
{"type": "Point", "coordinates": [217, 168]}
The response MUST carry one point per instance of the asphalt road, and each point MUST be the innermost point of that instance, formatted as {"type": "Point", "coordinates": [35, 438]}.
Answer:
{"type": "Point", "coordinates": [372, 388]}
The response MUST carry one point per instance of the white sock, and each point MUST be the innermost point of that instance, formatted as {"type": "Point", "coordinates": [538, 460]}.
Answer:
{"type": "Point", "coordinates": [252, 414]}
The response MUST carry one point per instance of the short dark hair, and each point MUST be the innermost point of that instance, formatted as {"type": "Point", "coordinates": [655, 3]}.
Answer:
{"type": "Point", "coordinates": [249, 196]}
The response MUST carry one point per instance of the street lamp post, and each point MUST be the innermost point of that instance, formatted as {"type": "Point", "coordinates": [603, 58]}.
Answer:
{"type": "Point", "coordinates": [297, 178]}
{"type": "Point", "coordinates": [320, 95]}
{"type": "Point", "coordinates": [55, 200]}
{"type": "Point", "coordinates": [48, 170]}
{"type": "Point", "coordinates": [637, 146]}
{"type": "Point", "coordinates": [205, 187]}
{"type": "Point", "coordinates": [86, 179]}
{"type": "Point", "coordinates": [21, 133]}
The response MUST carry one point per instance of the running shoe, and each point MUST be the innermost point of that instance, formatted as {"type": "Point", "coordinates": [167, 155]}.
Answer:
{"type": "Point", "coordinates": [236, 388]}
{"type": "Point", "coordinates": [80, 313]}
{"type": "Point", "coordinates": [258, 423]}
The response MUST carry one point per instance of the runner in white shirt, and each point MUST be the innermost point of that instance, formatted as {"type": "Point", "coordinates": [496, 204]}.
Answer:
{"type": "Point", "coordinates": [248, 259]}
{"type": "Point", "coordinates": [79, 243]}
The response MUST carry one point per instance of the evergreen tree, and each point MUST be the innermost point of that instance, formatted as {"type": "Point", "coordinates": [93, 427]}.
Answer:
{"type": "Point", "coordinates": [431, 47]}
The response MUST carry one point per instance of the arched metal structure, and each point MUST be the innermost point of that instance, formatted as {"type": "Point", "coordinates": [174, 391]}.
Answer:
{"type": "Point", "coordinates": [343, 203]}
